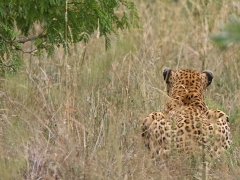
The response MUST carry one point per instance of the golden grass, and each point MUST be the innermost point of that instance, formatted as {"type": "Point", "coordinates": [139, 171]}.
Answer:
{"type": "Point", "coordinates": [78, 117]}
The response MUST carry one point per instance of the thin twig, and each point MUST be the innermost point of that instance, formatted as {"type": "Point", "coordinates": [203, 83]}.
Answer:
{"type": "Point", "coordinates": [123, 3]}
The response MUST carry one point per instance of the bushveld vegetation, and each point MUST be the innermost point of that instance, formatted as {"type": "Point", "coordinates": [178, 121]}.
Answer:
{"type": "Point", "coordinates": [78, 116]}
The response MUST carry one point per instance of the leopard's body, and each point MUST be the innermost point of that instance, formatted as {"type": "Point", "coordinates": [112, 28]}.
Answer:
{"type": "Point", "coordinates": [186, 124]}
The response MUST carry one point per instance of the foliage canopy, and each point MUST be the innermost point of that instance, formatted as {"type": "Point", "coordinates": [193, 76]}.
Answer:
{"type": "Point", "coordinates": [62, 22]}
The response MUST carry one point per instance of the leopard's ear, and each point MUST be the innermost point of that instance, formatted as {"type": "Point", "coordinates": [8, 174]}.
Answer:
{"type": "Point", "coordinates": [209, 76]}
{"type": "Point", "coordinates": [166, 74]}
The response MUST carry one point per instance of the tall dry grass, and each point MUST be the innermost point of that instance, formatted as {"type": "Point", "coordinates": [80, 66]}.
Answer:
{"type": "Point", "coordinates": [78, 116]}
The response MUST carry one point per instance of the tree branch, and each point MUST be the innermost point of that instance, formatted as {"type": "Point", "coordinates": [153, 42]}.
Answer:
{"type": "Point", "coordinates": [123, 3]}
{"type": "Point", "coordinates": [26, 39]}
{"type": "Point", "coordinates": [15, 46]}
{"type": "Point", "coordinates": [75, 3]}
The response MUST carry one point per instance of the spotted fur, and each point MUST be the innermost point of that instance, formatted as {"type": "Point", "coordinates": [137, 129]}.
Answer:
{"type": "Point", "coordinates": [186, 124]}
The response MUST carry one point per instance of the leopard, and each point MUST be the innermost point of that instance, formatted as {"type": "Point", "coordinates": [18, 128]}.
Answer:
{"type": "Point", "coordinates": [186, 124]}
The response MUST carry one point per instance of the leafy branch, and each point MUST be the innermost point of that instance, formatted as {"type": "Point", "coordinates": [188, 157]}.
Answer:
{"type": "Point", "coordinates": [84, 17]}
